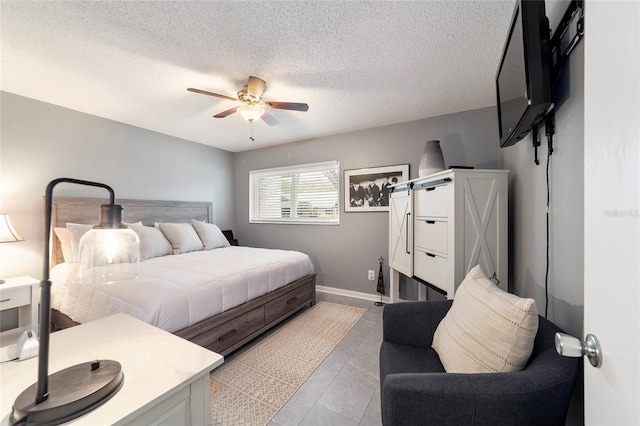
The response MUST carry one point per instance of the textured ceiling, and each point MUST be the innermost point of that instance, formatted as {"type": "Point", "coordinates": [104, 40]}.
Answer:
{"type": "Point", "coordinates": [358, 64]}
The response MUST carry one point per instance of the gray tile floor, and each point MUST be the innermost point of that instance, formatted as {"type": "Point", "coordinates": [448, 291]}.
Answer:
{"type": "Point", "coordinates": [345, 388]}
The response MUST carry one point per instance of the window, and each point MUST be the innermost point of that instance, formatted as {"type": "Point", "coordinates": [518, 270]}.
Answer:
{"type": "Point", "coordinates": [307, 193]}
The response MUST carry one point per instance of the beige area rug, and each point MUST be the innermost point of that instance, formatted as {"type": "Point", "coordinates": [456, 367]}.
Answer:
{"type": "Point", "coordinates": [251, 388]}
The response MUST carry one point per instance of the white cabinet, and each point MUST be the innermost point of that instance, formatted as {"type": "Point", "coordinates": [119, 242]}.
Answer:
{"type": "Point", "coordinates": [460, 220]}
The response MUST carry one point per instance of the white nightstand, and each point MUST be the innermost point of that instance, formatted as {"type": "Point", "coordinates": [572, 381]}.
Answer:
{"type": "Point", "coordinates": [21, 293]}
{"type": "Point", "coordinates": [166, 378]}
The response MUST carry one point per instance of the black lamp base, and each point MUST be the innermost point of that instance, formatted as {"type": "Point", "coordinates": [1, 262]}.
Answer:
{"type": "Point", "coordinates": [73, 392]}
{"type": "Point", "coordinates": [378, 303]}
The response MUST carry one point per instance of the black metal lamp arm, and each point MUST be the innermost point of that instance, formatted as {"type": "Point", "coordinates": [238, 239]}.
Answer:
{"type": "Point", "coordinates": [45, 286]}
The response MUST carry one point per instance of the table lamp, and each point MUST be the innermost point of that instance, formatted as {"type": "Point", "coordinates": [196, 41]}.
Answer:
{"type": "Point", "coordinates": [7, 232]}
{"type": "Point", "coordinates": [76, 390]}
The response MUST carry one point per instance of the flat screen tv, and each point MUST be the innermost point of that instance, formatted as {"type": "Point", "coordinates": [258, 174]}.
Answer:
{"type": "Point", "coordinates": [523, 80]}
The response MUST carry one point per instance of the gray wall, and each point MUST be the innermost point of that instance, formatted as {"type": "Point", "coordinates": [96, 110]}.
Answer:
{"type": "Point", "coordinates": [40, 142]}
{"type": "Point", "coordinates": [343, 253]}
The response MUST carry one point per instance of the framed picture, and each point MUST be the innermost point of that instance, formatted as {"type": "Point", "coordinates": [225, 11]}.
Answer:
{"type": "Point", "coordinates": [366, 190]}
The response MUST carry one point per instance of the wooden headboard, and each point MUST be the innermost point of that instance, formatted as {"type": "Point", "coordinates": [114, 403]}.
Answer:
{"type": "Point", "coordinates": [87, 210]}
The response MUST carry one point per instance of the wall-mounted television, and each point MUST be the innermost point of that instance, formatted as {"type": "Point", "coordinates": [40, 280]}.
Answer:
{"type": "Point", "coordinates": [523, 80]}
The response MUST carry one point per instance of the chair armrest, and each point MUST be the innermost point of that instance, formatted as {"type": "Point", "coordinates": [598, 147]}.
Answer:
{"type": "Point", "coordinates": [413, 323]}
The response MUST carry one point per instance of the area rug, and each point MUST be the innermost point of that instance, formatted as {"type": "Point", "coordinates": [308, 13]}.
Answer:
{"type": "Point", "coordinates": [252, 387]}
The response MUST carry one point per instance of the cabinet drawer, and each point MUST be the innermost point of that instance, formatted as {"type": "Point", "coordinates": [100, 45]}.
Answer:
{"type": "Point", "coordinates": [433, 201]}
{"type": "Point", "coordinates": [14, 297]}
{"type": "Point", "coordinates": [234, 330]}
{"type": "Point", "coordinates": [431, 268]}
{"type": "Point", "coordinates": [431, 235]}
{"type": "Point", "coordinates": [287, 302]}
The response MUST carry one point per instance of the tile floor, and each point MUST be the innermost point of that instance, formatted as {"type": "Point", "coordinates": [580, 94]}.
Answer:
{"type": "Point", "coordinates": [345, 388]}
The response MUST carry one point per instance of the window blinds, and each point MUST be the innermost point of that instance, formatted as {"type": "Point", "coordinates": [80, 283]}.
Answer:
{"type": "Point", "coordinates": [306, 193]}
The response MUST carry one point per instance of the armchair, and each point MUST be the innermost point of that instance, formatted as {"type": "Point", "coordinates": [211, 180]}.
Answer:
{"type": "Point", "coordinates": [416, 390]}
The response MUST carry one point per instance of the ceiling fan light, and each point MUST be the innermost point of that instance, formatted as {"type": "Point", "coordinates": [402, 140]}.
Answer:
{"type": "Point", "coordinates": [251, 112]}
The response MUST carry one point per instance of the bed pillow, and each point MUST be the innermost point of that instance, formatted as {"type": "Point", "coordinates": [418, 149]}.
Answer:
{"type": "Point", "coordinates": [77, 231]}
{"type": "Point", "coordinates": [64, 236]}
{"type": "Point", "coordinates": [486, 330]}
{"type": "Point", "coordinates": [211, 236]}
{"type": "Point", "coordinates": [182, 236]}
{"type": "Point", "coordinates": [153, 243]}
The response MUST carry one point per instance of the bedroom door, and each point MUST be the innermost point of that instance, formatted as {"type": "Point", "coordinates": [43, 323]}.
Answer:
{"type": "Point", "coordinates": [612, 210]}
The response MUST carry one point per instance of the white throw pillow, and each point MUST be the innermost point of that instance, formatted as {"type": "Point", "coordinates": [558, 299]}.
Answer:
{"type": "Point", "coordinates": [153, 243]}
{"type": "Point", "coordinates": [64, 236]}
{"type": "Point", "coordinates": [182, 236]}
{"type": "Point", "coordinates": [77, 231]}
{"type": "Point", "coordinates": [211, 236]}
{"type": "Point", "coordinates": [486, 330]}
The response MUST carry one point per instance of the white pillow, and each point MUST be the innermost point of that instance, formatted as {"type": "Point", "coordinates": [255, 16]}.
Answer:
{"type": "Point", "coordinates": [77, 231]}
{"type": "Point", "coordinates": [153, 243]}
{"type": "Point", "coordinates": [211, 236]}
{"type": "Point", "coordinates": [64, 236]}
{"type": "Point", "coordinates": [182, 236]}
{"type": "Point", "coordinates": [486, 330]}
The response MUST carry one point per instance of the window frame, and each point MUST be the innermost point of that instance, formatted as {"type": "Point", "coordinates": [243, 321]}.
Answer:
{"type": "Point", "coordinates": [295, 169]}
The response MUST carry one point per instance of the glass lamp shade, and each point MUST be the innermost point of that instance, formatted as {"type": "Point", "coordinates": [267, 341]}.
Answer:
{"type": "Point", "coordinates": [108, 255]}
{"type": "Point", "coordinates": [251, 112]}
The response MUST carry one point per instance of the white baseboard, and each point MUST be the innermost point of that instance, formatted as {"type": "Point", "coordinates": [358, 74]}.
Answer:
{"type": "Point", "coordinates": [351, 293]}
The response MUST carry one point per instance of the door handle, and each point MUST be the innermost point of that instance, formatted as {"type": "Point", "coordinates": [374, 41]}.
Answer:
{"type": "Point", "coordinates": [406, 240]}
{"type": "Point", "coordinates": [572, 347]}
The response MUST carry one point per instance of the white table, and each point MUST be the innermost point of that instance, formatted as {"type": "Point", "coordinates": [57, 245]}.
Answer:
{"type": "Point", "coordinates": [166, 378]}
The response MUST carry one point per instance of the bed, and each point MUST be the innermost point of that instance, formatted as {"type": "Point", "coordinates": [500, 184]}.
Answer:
{"type": "Point", "coordinates": [219, 298]}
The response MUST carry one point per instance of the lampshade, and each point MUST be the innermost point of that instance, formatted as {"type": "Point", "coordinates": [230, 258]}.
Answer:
{"type": "Point", "coordinates": [7, 232]}
{"type": "Point", "coordinates": [251, 112]}
{"type": "Point", "coordinates": [108, 255]}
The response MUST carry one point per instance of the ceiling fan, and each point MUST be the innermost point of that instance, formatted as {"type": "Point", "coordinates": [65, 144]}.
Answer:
{"type": "Point", "coordinates": [252, 101]}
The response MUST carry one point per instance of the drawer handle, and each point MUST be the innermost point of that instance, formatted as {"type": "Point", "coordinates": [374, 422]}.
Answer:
{"type": "Point", "coordinates": [293, 299]}
{"type": "Point", "coordinates": [430, 255]}
{"type": "Point", "coordinates": [228, 335]}
{"type": "Point", "coordinates": [5, 300]}
{"type": "Point", "coordinates": [430, 222]}
{"type": "Point", "coordinates": [432, 188]}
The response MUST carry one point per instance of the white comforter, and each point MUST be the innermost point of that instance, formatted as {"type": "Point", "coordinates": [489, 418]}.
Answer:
{"type": "Point", "coordinates": [173, 292]}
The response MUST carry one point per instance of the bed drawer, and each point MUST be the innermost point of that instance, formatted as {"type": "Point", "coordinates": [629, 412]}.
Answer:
{"type": "Point", "coordinates": [287, 302]}
{"type": "Point", "coordinates": [230, 332]}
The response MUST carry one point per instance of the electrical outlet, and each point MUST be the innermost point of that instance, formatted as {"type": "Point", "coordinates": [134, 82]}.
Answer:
{"type": "Point", "coordinates": [372, 275]}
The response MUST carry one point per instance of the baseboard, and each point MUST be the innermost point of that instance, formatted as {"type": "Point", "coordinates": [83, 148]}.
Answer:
{"type": "Point", "coordinates": [351, 293]}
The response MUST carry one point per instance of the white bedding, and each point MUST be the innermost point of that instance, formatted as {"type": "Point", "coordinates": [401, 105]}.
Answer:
{"type": "Point", "coordinates": [173, 292]}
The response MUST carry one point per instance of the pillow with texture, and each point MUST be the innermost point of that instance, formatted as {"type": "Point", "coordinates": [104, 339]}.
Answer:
{"type": "Point", "coordinates": [182, 236]}
{"type": "Point", "coordinates": [486, 330]}
{"type": "Point", "coordinates": [211, 236]}
{"type": "Point", "coordinates": [77, 231]}
{"type": "Point", "coordinates": [64, 236]}
{"type": "Point", "coordinates": [153, 243]}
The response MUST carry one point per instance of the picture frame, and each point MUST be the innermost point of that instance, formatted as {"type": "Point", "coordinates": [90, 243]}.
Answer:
{"type": "Point", "coordinates": [365, 189]}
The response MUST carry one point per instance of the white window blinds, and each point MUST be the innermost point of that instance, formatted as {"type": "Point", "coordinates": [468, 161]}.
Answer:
{"type": "Point", "coordinates": [307, 193]}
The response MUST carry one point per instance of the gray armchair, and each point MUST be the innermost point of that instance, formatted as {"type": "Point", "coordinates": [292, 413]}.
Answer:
{"type": "Point", "coordinates": [415, 389]}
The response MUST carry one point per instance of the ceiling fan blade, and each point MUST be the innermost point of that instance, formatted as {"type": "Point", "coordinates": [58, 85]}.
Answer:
{"type": "Point", "coordinates": [294, 106]}
{"type": "Point", "coordinates": [223, 114]}
{"type": "Point", "coordinates": [204, 92]}
{"type": "Point", "coordinates": [255, 86]}
{"type": "Point", "coordinates": [269, 119]}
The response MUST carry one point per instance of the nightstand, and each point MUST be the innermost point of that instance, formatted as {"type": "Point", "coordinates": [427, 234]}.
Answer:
{"type": "Point", "coordinates": [21, 293]}
{"type": "Point", "coordinates": [166, 378]}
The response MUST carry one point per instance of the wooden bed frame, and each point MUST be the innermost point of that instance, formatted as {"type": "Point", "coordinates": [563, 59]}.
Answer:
{"type": "Point", "coordinates": [223, 333]}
